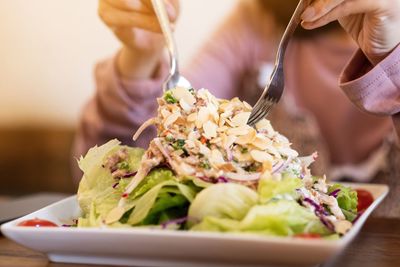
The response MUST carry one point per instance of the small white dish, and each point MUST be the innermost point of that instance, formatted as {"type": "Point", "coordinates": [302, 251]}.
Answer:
{"type": "Point", "coordinates": [168, 248]}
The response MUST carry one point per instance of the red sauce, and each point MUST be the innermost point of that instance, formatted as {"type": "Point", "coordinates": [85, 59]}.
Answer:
{"type": "Point", "coordinates": [37, 223]}
{"type": "Point", "coordinates": [308, 236]}
{"type": "Point", "coordinates": [365, 199]}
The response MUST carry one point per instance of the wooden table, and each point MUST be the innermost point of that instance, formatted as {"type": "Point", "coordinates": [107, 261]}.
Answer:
{"type": "Point", "coordinates": [378, 245]}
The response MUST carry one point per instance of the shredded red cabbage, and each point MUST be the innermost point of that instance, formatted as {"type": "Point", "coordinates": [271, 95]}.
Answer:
{"type": "Point", "coordinates": [129, 175]}
{"type": "Point", "coordinates": [335, 193]}
{"type": "Point", "coordinates": [320, 212]}
{"type": "Point", "coordinates": [281, 166]}
{"type": "Point", "coordinates": [222, 179]}
{"type": "Point", "coordinates": [174, 221]}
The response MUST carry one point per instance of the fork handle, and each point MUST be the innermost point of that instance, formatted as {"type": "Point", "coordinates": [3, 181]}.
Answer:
{"type": "Point", "coordinates": [291, 28]}
{"type": "Point", "coordinates": [162, 15]}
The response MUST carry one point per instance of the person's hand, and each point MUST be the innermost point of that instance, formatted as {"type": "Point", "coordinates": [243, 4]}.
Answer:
{"type": "Point", "coordinates": [373, 24]}
{"type": "Point", "coordinates": [135, 24]}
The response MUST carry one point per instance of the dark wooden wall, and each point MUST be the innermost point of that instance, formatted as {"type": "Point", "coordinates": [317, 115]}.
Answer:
{"type": "Point", "coordinates": [35, 160]}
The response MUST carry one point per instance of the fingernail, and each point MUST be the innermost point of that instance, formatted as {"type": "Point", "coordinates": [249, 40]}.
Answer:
{"type": "Point", "coordinates": [171, 11]}
{"type": "Point", "coordinates": [308, 14]}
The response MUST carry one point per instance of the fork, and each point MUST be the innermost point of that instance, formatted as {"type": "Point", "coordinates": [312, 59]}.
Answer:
{"type": "Point", "coordinates": [174, 78]}
{"type": "Point", "coordinates": [273, 91]}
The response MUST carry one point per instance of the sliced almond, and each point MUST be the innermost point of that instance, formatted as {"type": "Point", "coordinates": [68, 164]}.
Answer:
{"type": "Point", "coordinates": [261, 156]}
{"type": "Point", "coordinates": [192, 117]}
{"type": "Point", "coordinates": [182, 93]}
{"type": "Point", "coordinates": [274, 151]}
{"type": "Point", "coordinates": [202, 116]}
{"type": "Point", "coordinates": [261, 142]}
{"type": "Point", "coordinates": [240, 119]}
{"type": "Point", "coordinates": [217, 140]}
{"type": "Point", "coordinates": [204, 150]}
{"type": "Point", "coordinates": [246, 139]}
{"type": "Point", "coordinates": [210, 130]}
{"type": "Point", "coordinates": [227, 167]}
{"type": "Point", "coordinates": [190, 144]}
{"type": "Point", "coordinates": [222, 129]}
{"type": "Point", "coordinates": [264, 124]}
{"type": "Point", "coordinates": [226, 106]}
{"type": "Point", "coordinates": [242, 157]}
{"type": "Point", "coordinates": [238, 131]}
{"type": "Point", "coordinates": [213, 111]}
{"type": "Point", "coordinates": [216, 157]}
{"type": "Point", "coordinates": [221, 122]}
{"type": "Point", "coordinates": [165, 113]}
{"type": "Point", "coordinates": [229, 141]}
{"type": "Point", "coordinates": [185, 106]}
{"type": "Point", "coordinates": [171, 119]}
{"type": "Point", "coordinates": [287, 151]}
{"type": "Point", "coordinates": [247, 106]}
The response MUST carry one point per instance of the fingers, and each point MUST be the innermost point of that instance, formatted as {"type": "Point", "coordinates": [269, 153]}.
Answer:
{"type": "Point", "coordinates": [172, 7]}
{"type": "Point", "coordinates": [319, 8]}
{"type": "Point", "coordinates": [130, 5]}
{"type": "Point", "coordinates": [322, 12]}
{"type": "Point", "coordinates": [115, 18]}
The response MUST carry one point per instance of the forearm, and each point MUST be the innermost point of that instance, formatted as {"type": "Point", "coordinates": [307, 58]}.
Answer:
{"type": "Point", "coordinates": [138, 64]}
{"type": "Point", "coordinates": [118, 108]}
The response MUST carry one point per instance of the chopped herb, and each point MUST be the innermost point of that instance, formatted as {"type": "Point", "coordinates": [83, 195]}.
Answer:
{"type": "Point", "coordinates": [169, 138]}
{"type": "Point", "coordinates": [178, 144]}
{"type": "Point", "coordinates": [123, 165]}
{"type": "Point", "coordinates": [170, 98]}
{"type": "Point", "coordinates": [208, 144]}
{"type": "Point", "coordinates": [205, 165]}
{"type": "Point", "coordinates": [244, 150]}
{"type": "Point", "coordinates": [253, 167]}
{"type": "Point", "coordinates": [191, 90]}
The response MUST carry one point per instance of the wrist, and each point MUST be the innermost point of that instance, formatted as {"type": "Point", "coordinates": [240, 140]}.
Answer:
{"type": "Point", "coordinates": [138, 64]}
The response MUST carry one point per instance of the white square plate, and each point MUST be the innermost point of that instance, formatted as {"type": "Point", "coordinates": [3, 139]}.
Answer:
{"type": "Point", "coordinates": [167, 248]}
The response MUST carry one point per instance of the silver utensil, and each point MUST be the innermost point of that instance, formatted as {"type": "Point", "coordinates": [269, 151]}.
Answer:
{"type": "Point", "coordinates": [273, 91]}
{"type": "Point", "coordinates": [174, 78]}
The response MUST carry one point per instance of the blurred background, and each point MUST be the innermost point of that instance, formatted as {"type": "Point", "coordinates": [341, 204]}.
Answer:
{"type": "Point", "coordinates": [48, 49]}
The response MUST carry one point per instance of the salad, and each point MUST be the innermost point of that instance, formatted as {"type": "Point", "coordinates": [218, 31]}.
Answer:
{"type": "Point", "coordinates": [207, 170]}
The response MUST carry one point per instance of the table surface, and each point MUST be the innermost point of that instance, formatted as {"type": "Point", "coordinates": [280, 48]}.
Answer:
{"type": "Point", "coordinates": [378, 244]}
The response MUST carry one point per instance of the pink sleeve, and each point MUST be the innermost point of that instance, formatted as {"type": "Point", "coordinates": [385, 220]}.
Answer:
{"type": "Point", "coordinates": [118, 108]}
{"type": "Point", "coordinates": [375, 89]}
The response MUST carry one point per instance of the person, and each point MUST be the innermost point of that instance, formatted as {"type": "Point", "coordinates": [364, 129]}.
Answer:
{"type": "Point", "coordinates": [315, 111]}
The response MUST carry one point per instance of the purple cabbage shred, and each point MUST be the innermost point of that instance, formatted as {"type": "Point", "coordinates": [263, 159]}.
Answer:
{"type": "Point", "coordinates": [129, 175]}
{"type": "Point", "coordinates": [174, 221]}
{"type": "Point", "coordinates": [335, 193]}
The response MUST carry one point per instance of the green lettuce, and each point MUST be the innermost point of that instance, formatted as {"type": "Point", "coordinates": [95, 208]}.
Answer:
{"type": "Point", "coordinates": [282, 218]}
{"type": "Point", "coordinates": [347, 200]}
{"type": "Point", "coordinates": [159, 197]}
{"type": "Point", "coordinates": [276, 218]}
{"type": "Point", "coordinates": [228, 200]}
{"type": "Point", "coordinates": [269, 188]}
{"type": "Point", "coordinates": [96, 186]}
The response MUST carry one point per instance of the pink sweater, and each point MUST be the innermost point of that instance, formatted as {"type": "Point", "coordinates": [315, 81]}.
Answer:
{"type": "Point", "coordinates": [232, 57]}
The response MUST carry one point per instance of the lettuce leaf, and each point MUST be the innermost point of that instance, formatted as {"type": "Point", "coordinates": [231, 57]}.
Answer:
{"type": "Point", "coordinates": [146, 202]}
{"type": "Point", "coordinates": [229, 200]}
{"type": "Point", "coordinates": [347, 200]}
{"type": "Point", "coordinates": [269, 188]}
{"type": "Point", "coordinates": [96, 186]}
{"type": "Point", "coordinates": [281, 218]}
{"type": "Point", "coordinates": [276, 218]}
